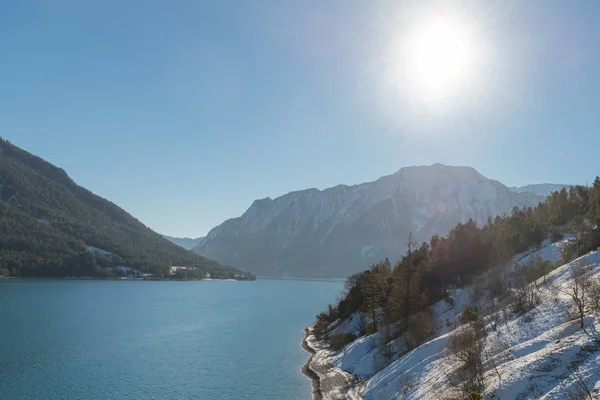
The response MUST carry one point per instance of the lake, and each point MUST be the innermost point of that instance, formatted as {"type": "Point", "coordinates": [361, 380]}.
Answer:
{"type": "Point", "coordinates": [62, 339]}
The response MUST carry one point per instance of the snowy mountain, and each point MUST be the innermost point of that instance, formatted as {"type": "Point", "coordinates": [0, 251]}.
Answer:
{"type": "Point", "coordinates": [542, 189]}
{"type": "Point", "coordinates": [543, 353]}
{"type": "Point", "coordinates": [186, 243]}
{"type": "Point", "coordinates": [341, 230]}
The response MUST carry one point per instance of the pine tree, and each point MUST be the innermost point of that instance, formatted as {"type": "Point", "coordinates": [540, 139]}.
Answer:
{"type": "Point", "coordinates": [372, 296]}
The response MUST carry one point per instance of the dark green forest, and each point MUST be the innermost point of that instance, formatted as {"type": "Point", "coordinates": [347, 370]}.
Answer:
{"type": "Point", "coordinates": [47, 220]}
{"type": "Point", "coordinates": [399, 294]}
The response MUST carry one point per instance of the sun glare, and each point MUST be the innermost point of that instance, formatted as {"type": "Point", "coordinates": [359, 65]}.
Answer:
{"type": "Point", "coordinates": [440, 57]}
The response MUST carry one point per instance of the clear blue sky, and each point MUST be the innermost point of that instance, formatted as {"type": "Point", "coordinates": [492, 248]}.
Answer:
{"type": "Point", "coordinates": [184, 112]}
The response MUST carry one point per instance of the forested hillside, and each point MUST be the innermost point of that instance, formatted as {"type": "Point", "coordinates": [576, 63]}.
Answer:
{"type": "Point", "coordinates": [397, 304]}
{"type": "Point", "coordinates": [424, 274]}
{"type": "Point", "coordinates": [49, 224]}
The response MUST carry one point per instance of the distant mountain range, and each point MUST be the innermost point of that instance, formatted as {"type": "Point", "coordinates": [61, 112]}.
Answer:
{"type": "Point", "coordinates": [53, 227]}
{"type": "Point", "coordinates": [342, 230]}
{"type": "Point", "coordinates": [541, 189]}
{"type": "Point", "coordinates": [186, 243]}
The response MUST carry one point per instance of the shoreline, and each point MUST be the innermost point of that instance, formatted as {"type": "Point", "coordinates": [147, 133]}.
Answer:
{"type": "Point", "coordinates": [308, 372]}
{"type": "Point", "coordinates": [90, 278]}
{"type": "Point", "coordinates": [291, 278]}
{"type": "Point", "coordinates": [328, 381]}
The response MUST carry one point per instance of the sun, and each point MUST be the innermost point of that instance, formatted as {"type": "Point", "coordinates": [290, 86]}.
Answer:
{"type": "Point", "coordinates": [440, 57]}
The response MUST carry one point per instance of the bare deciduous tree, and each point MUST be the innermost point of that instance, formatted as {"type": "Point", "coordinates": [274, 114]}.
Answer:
{"type": "Point", "coordinates": [594, 295]}
{"type": "Point", "coordinates": [578, 288]}
{"type": "Point", "coordinates": [580, 389]}
{"type": "Point", "coordinates": [362, 324]}
{"type": "Point", "coordinates": [421, 327]}
{"type": "Point", "coordinates": [526, 291]}
{"type": "Point", "coordinates": [525, 296]}
{"type": "Point", "coordinates": [466, 345]}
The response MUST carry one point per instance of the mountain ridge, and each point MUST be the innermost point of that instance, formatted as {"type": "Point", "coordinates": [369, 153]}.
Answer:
{"type": "Point", "coordinates": [540, 189]}
{"type": "Point", "coordinates": [54, 227]}
{"type": "Point", "coordinates": [186, 242]}
{"type": "Point", "coordinates": [340, 230]}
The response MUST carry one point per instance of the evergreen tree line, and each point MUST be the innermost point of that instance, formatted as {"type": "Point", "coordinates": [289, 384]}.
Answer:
{"type": "Point", "coordinates": [397, 295]}
{"type": "Point", "coordinates": [46, 222]}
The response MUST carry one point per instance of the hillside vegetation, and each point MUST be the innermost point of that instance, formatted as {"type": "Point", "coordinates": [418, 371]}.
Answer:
{"type": "Point", "coordinates": [49, 224]}
{"type": "Point", "coordinates": [468, 314]}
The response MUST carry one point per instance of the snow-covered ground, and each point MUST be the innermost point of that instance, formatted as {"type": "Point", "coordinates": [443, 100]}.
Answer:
{"type": "Point", "coordinates": [96, 250]}
{"type": "Point", "coordinates": [541, 354]}
{"type": "Point", "coordinates": [541, 189]}
{"type": "Point", "coordinates": [127, 270]}
{"type": "Point", "coordinates": [334, 383]}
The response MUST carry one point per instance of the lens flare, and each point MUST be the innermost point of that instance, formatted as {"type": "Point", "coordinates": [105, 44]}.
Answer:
{"type": "Point", "coordinates": [440, 57]}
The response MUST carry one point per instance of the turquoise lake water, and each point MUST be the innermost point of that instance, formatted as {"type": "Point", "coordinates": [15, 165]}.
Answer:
{"type": "Point", "coordinates": [156, 340]}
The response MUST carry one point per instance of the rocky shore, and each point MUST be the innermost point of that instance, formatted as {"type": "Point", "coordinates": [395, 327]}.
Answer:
{"type": "Point", "coordinates": [328, 381]}
{"type": "Point", "coordinates": [307, 370]}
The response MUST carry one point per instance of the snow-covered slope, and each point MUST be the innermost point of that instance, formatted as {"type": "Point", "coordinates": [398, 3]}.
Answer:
{"type": "Point", "coordinates": [542, 189]}
{"type": "Point", "coordinates": [541, 354]}
{"type": "Point", "coordinates": [342, 230]}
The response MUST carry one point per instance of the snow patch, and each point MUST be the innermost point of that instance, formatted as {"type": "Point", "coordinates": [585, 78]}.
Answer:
{"type": "Point", "coordinates": [126, 270]}
{"type": "Point", "coordinates": [96, 250]}
{"type": "Point", "coordinates": [540, 354]}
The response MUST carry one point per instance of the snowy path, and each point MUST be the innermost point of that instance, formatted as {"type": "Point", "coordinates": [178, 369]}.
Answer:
{"type": "Point", "coordinates": [333, 383]}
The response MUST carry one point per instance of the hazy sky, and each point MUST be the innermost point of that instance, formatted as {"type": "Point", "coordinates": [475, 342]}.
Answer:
{"type": "Point", "coordinates": [184, 112]}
